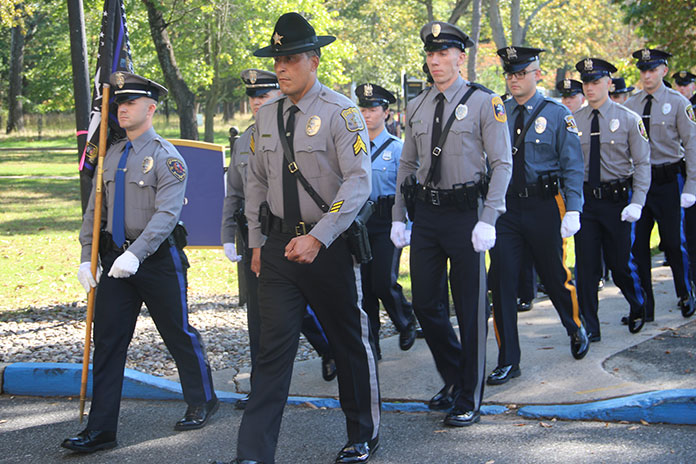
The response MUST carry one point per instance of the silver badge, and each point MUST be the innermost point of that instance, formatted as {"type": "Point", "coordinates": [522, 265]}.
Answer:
{"type": "Point", "coordinates": [148, 162]}
{"type": "Point", "coordinates": [511, 53]}
{"type": "Point", "coordinates": [540, 124]}
{"type": "Point", "coordinates": [368, 90]}
{"type": "Point", "coordinates": [386, 156]}
{"type": "Point", "coordinates": [253, 76]}
{"type": "Point", "coordinates": [645, 54]}
{"type": "Point", "coordinates": [588, 64]}
{"type": "Point", "coordinates": [313, 125]}
{"type": "Point", "coordinates": [120, 80]}
{"type": "Point", "coordinates": [666, 108]}
{"type": "Point", "coordinates": [566, 84]}
{"type": "Point", "coordinates": [614, 124]}
{"type": "Point", "coordinates": [461, 111]}
{"type": "Point", "coordinates": [436, 29]}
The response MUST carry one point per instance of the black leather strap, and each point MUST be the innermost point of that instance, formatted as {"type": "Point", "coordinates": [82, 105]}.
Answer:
{"type": "Point", "coordinates": [520, 136]}
{"type": "Point", "coordinates": [381, 149]}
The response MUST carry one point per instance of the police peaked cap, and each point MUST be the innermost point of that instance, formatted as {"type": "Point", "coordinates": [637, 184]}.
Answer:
{"type": "Point", "coordinates": [292, 35]}
{"type": "Point", "coordinates": [649, 58]}
{"type": "Point", "coordinates": [438, 35]}
{"type": "Point", "coordinates": [618, 86]}
{"type": "Point", "coordinates": [591, 69]}
{"type": "Point", "coordinates": [129, 86]}
{"type": "Point", "coordinates": [258, 81]}
{"type": "Point", "coordinates": [683, 78]}
{"type": "Point", "coordinates": [517, 58]}
{"type": "Point", "coordinates": [370, 95]}
{"type": "Point", "coordinates": [569, 87]}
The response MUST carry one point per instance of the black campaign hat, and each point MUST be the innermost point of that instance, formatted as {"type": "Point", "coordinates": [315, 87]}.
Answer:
{"type": "Point", "coordinates": [649, 58]}
{"type": "Point", "coordinates": [439, 35]}
{"type": "Point", "coordinates": [370, 95]}
{"type": "Point", "coordinates": [618, 86]}
{"type": "Point", "coordinates": [292, 35]}
{"type": "Point", "coordinates": [517, 58]}
{"type": "Point", "coordinates": [592, 69]}
{"type": "Point", "coordinates": [258, 81]}
{"type": "Point", "coordinates": [129, 86]}
{"type": "Point", "coordinates": [569, 87]}
{"type": "Point", "coordinates": [683, 78]}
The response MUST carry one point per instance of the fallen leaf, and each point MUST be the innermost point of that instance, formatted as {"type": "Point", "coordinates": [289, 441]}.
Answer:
{"type": "Point", "coordinates": [310, 405]}
{"type": "Point", "coordinates": [545, 425]}
{"type": "Point", "coordinates": [553, 420]}
{"type": "Point", "coordinates": [667, 352]}
{"type": "Point", "coordinates": [491, 461]}
{"type": "Point", "coordinates": [2, 421]}
{"type": "Point", "coordinates": [644, 422]}
{"type": "Point", "coordinates": [521, 424]}
{"type": "Point", "coordinates": [633, 427]}
{"type": "Point", "coordinates": [616, 369]}
{"type": "Point", "coordinates": [512, 406]}
{"type": "Point", "coordinates": [440, 431]}
{"type": "Point", "coordinates": [546, 348]}
{"type": "Point", "coordinates": [623, 422]}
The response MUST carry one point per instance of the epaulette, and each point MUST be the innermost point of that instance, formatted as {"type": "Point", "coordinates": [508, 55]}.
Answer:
{"type": "Point", "coordinates": [478, 86]}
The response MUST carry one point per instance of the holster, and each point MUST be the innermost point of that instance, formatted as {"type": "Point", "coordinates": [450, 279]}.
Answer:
{"type": "Point", "coordinates": [178, 236]}
{"type": "Point", "coordinates": [384, 206]}
{"type": "Point", "coordinates": [265, 218]}
{"type": "Point", "coordinates": [242, 226]}
{"type": "Point", "coordinates": [356, 234]}
{"type": "Point", "coordinates": [619, 189]}
{"type": "Point", "coordinates": [408, 190]}
{"type": "Point", "coordinates": [467, 195]}
{"type": "Point", "coordinates": [549, 185]}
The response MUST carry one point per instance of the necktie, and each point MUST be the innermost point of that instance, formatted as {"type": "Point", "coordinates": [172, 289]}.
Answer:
{"type": "Point", "coordinates": [593, 177]}
{"type": "Point", "coordinates": [519, 178]}
{"type": "Point", "coordinates": [291, 199]}
{"type": "Point", "coordinates": [646, 113]}
{"type": "Point", "coordinates": [118, 229]}
{"type": "Point", "coordinates": [437, 132]}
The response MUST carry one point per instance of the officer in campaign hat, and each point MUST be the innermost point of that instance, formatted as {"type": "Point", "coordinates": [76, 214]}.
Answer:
{"type": "Point", "coordinates": [141, 251]}
{"type": "Point", "coordinates": [617, 177]}
{"type": "Point", "coordinates": [454, 130]}
{"type": "Point", "coordinates": [618, 91]}
{"type": "Point", "coordinates": [671, 127]}
{"type": "Point", "coordinates": [310, 139]}
{"type": "Point", "coordinates": [571, 94]}
{"type": "Point", "coordinates": [261, 86]}
{"type": "Point", "coordinates": [685, 84]}
{"type": "Point", "coordinates": [379, 276]}
{"type": "Point", "coordinates": [546, 161]}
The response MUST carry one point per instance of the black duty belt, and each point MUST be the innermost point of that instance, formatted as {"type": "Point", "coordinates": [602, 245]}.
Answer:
{"type": "Point", "coordinates": [665, 173]}
{"type": "Point", "coordinates": [106, 243]}
{"type": "Point", "coordinates": [301, 228]}
{"type": "Point", "coordinates": [547, 186]}
{"type": "Point", "coordinates": [615, 190]}
{"type": "Point", "coordinates": [465, 197]}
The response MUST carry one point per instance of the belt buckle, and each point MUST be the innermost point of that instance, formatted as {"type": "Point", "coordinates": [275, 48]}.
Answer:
{"type": "Point", "coordinates": [435, 197]}
{"type": "Point", "coordinates": [300, 229]}
{"type": "Point", "coordinates": [126, 244]}
{"type": "Point", "coordinates": [524, 193]}
{"type": "Point", "coordinates": [597, 192]}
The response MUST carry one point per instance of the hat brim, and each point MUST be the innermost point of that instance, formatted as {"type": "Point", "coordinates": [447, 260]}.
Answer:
{"type": "Point", "coordinates": [436, 47]}
{"type": "Point", "coordinates": [648, 65]}
{"type": "Point", "coordinates": [118, 99]}
{"type": "Point", "coordinates": [258, 92]}
{"type": "Point", "coordinates": [290, 49]}
{"type": "Point", "coordinates": [571, 93]}
{"type": "Point", "coordinates": [620, 91]}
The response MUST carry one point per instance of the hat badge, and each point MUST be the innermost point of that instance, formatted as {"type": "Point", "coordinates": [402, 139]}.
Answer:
{"type": "Point", "coordinates": [612, 87]}
{"type": "Point", "coordinates": [277, 38]}
{"type": "Point", "coordinates": [368, 90]}
{"type": "Point", "coordinates": [588, 64]}
{"type": "Point", "coordinates": [511, 53]}
{"type": "Point", "coordinates": [682, 74]}
{"type": "Point", "coordinates": [566, 83]}
{"type": "Point", "coordinates": [253, 76]}
{"type": "Point", "coordinates": [120, 80]}
{"type": "Point", "coordinates": [436, 29]}
{"type": "Point", "coordinates": [645, 54]}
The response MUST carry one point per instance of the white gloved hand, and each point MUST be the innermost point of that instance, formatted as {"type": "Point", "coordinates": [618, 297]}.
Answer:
{"type": "Point", "coordinates": [632, 212]}
{"type": "Point", "coordinates": [231, 252]}
{"type": "Point", "coordinates": [84, 275]}
{"type": "Point", "coordinates": [483, 237]}
{"type": "Point", "coordinates": [687, 200]}
{"type": "Point", "coordinates": [570, 224]}
{"type": "Point", "coordinates": [398, 235]}
{"type": "Point", "coordinates": [125, 265]}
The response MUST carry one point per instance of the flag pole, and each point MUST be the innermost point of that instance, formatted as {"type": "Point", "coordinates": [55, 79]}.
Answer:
{"type": "Point", "coordinates": [96, 230]}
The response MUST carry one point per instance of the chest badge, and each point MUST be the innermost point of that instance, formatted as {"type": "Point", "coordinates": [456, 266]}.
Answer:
{"type": "Point", "coordinates": [148, 162]}
{"type": "Point", "coordinates": [666, 108]}
{"type": "Point", "coordinates": [387, 155]}
{"type": "Point", "coordinates": [540, 124]}
{"type": "Point", "coordinates": [614, 125]}
{"type": "Point", "coordinates": [313, 125]}
{"type": "Point", "coordinates": [461, 111]}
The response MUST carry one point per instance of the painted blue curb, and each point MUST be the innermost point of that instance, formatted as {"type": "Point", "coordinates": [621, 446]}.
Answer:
{"type": "Point", "coordinates": [667, 406]}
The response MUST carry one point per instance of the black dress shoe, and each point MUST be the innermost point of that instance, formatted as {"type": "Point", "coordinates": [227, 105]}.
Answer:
{"type": "Point", "coordinates": [524, 306]}
{"type": "Point", "coordinates": [687, 306]}
{"type": "Point", "coordinates": [89, 441]}
{"type": "Point", "coordinates": [541, 288]}
{"type": "Point", "coordinates": [358, 452]}
{"type": "Point", "coordinates": [241, 402]}
{"type": "Point", "coordinates": [408, 337]}
{"type": "Point", "coordinates": [600, 284]}
{"type": "Point", "coordinates": [461, 418]}
{"type": "Point", "coordinates": [328, 368]}
{"type": "Point", "coordinates": [443, 400]}
{"type": "Point", "coordinates": [502, 374]}
{"type": "Point", "coordinates": [636, 320]}
{"type": "Point", "coordinates": [197, 416]}
{"type": "Point", "coordinates": [419, 333]}
{"type": "Point", "coordinates": [579, 343]}
{"type": "Point", "coordinates": [593, 337]}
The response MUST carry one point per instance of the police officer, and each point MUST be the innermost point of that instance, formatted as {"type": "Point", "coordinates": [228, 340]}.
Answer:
{"type": "Point", "coordinates": [618, 91]}
{"type": "Point", "coordinates": [379, 276]}
{"type": "Point", "coordinates": [685, 84]}
{"type": "Point", "coordinates": [141, 251]}
{"type": "Point", "coordinates": [571, 94]}
{"type": "Point", "coordinates": [546, 159]}
{"type": "Point", "coordinates": [298, 250]}
{"type": "Point", "coordinates": [453, 216]}
{"type": "Point", "coordinates": [617, 177]}
{"type": "Point", "coordinates": [669, 121]}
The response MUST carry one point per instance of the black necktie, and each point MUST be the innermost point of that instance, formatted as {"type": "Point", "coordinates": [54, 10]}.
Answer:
{"type": "Point", "coordinates": [593, 176]}
{"type": "Point", "coordinates": [519, 178]}
{"type": "Point", "coordinates": [646, 113]}
{"type": "Point", "coordinates": [437, 132]}
{"type": "Point", "coordinates": [291, 199]}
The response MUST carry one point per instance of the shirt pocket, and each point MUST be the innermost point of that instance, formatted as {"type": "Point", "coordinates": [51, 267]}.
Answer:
{"type": "Point", "coordinates": [141, 192]}
{"type": "Point", "coordinates": [541, 148]}
{"type": "Point", "coordinates": [462, 135]}
{"type": "Point", "coordinates": [309, 155]}
{"type": "Point", "coordinates": [616, 141]}
{"type": "Point", "coordinates": [421, 134]}
{"type": "Point", "coordinates": [267, 148]}
{"type": "Point", "coordinates": [241, 163]}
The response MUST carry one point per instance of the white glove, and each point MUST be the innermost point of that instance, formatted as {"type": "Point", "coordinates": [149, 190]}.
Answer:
{"type": "Point", "coordinates": [632, 212]}
{"type": "Point", "coordinates": [231, 252]}
{"type": "Point", "coordinates": [399, 236]}
{"type": "Point", "coordinates": [687, 200]}
{"type": "Point", "coordinates": [483, 237]}
{"type": "Point", "coordinates": [570, 224]}
{"type": "Point", "coordinates": [125, 265]}
{"type": "Point", "coordinates": [84, 275]}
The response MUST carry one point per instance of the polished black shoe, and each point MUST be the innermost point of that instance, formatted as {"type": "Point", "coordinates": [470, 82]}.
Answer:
{"type": "Point", "coordinates": [502, 374]}
{"type": "Point", "coordinates": [594, 338]}
{"type": "Point", "coordinates": [462, 418]}
{"type": "Point", "coordinates": [600, 284]}
{"type": "Point", "coordinates": [89, 441]}
{"type": "Point", "coordinates": [419, 333]}
{"type": "Point", "coordinates": [241, 402]}
{"type": "Point", "coordinates": [358, 452]}
{"type": "Point", "coordinates": [524, 306]}
{"type": "Point", "coordinates": [443, 400]}
{"type": "Point", "coordinates": [636, 320]}
{"type": "Point", "coordinates": [579, 343]}
{"type": "Point", "coordinates": [328, 368]}
{"type": "Point", "coordinates": [197, 416]}
{"type": "Point", "coordinates": [687, 306]}
{"type": "Point", "coordinates": [541, 288]}
{"type": "Point", "coordinates": [408, 337]}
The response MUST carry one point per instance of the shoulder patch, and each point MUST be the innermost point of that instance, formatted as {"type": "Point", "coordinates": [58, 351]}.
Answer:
{"type": "Point", "coordinates": [359, 146]}
{"type": "Point", "coordinates": [252, 144]}
{"type": "Point", "coordinates": [336, 207]}
{"type": "Point", "coordinates": [641, 129]}
{"type": "Point", "coordinates": [571, 126]}
{"type": "Point", "coordinates": [176, 167]}
{"type": "Point", "coordinates": [353, 119]}
{"type": "Point", "coordinates": [499, 109]}
{"type": "Point", "coordinates": [690, 113]}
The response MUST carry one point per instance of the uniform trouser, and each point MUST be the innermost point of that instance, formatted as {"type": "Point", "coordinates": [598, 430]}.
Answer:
{"type": "Point", "coordinates": [161, 284]}
{"type": "Point", "coordinates": [603, 230]}
{"type": "Point", "coordinates": [440, 234]}
{"type": "Point", "coordinates": [662, 205]}
{"type": "Point", "coordinates": [532, 222]}
{"type": "Point", "coordinates": [331, 286]}
{"type": "Point", "coordinates": [379, 280]}
{"type": "Point", "coordinates": [690, 234]}
{"type": "Point", "coordinates": [526, 288]}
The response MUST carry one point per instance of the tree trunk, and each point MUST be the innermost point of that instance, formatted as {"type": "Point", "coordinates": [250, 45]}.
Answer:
{"type": "Point", "coordinates": [496, 24]}
{"type": "Point", "coordinates": [15, 117]}
{"type": "Point", "coordinates": [475, 33]}
{"type": "Point", "coordinates": [184, 97]}
{"type": "Point", "coordinates": [515, 26]}
{"type": "Point", "coordinates": [429, 8]}
{"type": "Point", "coordinates": [458, 11]}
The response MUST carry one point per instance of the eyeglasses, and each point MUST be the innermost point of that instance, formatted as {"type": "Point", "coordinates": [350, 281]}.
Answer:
{"type": "Point", "coordinates": [519, 74]}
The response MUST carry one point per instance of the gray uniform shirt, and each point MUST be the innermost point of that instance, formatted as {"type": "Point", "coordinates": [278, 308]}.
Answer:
{"type": "Point", "coordinates": [236, 184]}
{"type": "Point", "coordinates": [624, 149]}
{"type": "Point", "coordinates": [479, 132]}
{"type": "Point", "coordinates": [155, 184]}
{"type": "Point", "coordinates": [332, 152]}
{"type": "Point", "coordinates": [671, 124]}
